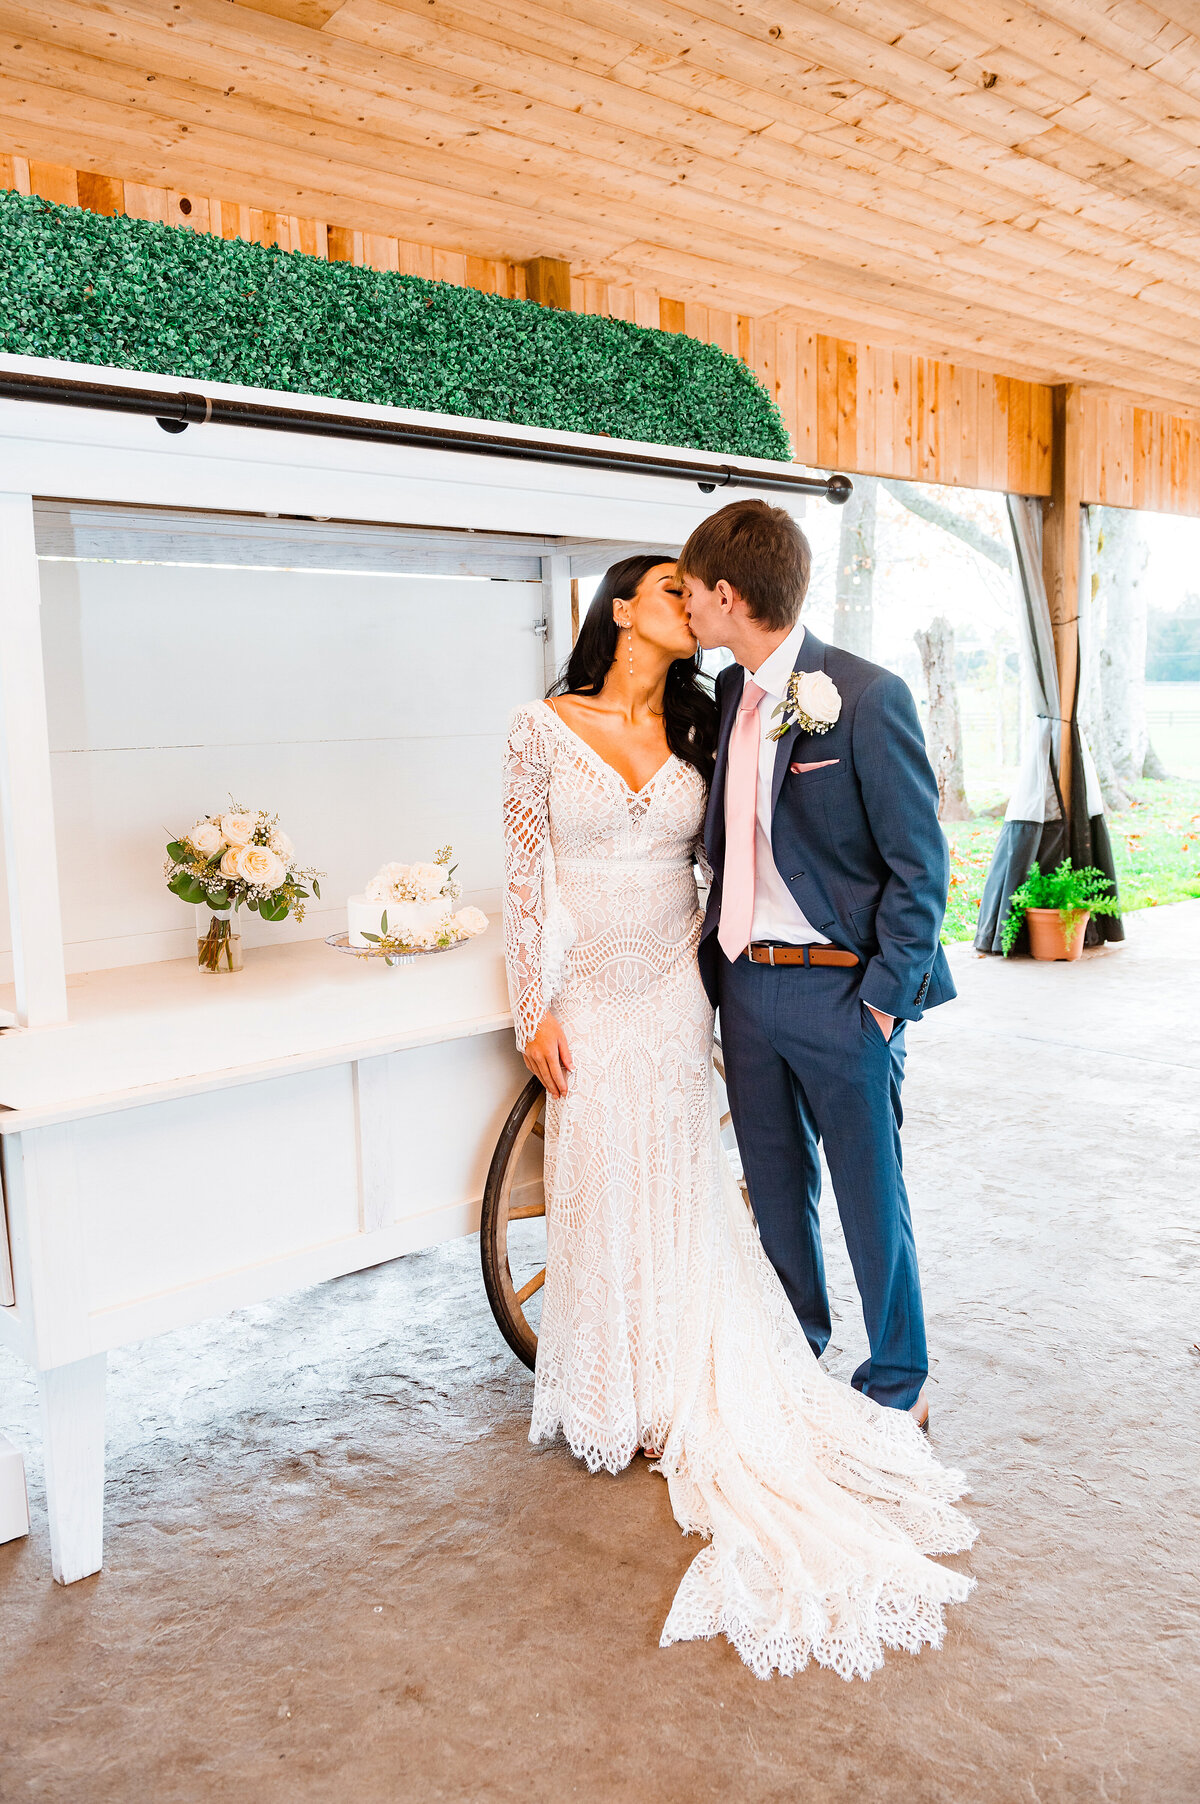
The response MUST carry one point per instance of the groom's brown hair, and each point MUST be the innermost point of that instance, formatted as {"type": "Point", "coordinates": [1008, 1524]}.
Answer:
{"type": "Point", "coordinates": [759, 551]}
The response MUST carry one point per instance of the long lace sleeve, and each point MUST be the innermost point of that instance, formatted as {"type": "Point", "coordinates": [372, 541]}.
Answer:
{"type": "Point", "coordinates": [526, 843]}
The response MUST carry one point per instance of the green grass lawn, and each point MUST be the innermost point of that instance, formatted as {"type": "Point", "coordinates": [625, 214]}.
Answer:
{"type": "Point", "coordinates": [1156, 850]}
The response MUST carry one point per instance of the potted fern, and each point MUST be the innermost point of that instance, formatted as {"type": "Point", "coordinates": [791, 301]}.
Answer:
{"type": "Point", "coordinates": [1056, 906]}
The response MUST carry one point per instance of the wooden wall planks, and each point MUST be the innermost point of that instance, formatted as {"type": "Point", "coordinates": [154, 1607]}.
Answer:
{"type": "Point", "coordinates": [1140, 456]}
{"type": "Point", "coordinates": [866, 409]}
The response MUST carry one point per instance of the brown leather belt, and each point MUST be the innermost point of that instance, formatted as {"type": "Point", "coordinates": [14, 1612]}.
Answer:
{"type": "Point", "coordinates": [800, 955]}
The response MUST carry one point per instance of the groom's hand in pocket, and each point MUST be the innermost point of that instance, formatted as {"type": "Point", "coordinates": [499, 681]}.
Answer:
{"type": "Point", "coordinates": [886, 1022]}
{"type": "Point", "coordinates": [548, 1056]}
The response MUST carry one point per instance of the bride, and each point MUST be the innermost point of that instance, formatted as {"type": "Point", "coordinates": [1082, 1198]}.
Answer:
{"type": "Point", "coordinates": [664, 1327]}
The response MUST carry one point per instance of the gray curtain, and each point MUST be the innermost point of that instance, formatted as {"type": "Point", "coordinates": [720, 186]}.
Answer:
{"type": "Point", "coordinates": [1034, 828]}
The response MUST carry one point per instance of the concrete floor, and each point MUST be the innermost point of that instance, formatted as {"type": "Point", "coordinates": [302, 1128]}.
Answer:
{"type": "Point", "coordinates": [337, 1570]}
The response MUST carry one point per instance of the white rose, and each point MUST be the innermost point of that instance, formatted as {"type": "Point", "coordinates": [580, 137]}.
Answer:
{"type": "Point", "coordinates": [229, 864]}
{"type": "Point", "coordinates": [430, 880]}
{"type": "Point", "coordinates": [470, 921]}
{"type": "Point", "coordinates": [206, 838]}
{"type": "Point", "coordinates": [238, 829]}
{"type": "Point", "coordinates": [259, 865]}
{"type": "Point", "coordinates": [281, 845]}
{"type": "Point", "coordinates": [817, 696]}
{"type": "Point", "coordinates": [387, 883]}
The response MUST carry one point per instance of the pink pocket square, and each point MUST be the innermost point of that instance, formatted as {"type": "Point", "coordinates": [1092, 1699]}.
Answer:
{"type": "Point", "coordinates": [821, 764]}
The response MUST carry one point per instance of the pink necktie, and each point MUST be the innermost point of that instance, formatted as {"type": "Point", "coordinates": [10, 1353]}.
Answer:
{"type": "Point", "coordinates": [741, 799]}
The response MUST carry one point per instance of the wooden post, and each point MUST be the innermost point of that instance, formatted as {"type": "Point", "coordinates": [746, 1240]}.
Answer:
{"type": "Point", "coordinates": [1060, 559]}
{"type": "Point", "coordinates": [25, 799]}
{"type": "Point", "coordinates": [556, 614]}
{"type": "Point", "coordinates": [548, 280]}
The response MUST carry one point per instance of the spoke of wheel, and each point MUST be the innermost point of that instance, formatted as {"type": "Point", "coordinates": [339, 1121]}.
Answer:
{"type": "Point", "coordinates": [527, 1290]}
{"type": "Point", "coordinates": [527, 1211]}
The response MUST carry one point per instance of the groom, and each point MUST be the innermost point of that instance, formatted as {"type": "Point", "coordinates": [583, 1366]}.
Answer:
{"type": "Point", "coordinates": [821, 938]}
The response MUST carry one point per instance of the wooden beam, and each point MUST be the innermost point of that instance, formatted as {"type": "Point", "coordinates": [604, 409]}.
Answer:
{"type": "Point", "coordinates": [1060, 557]}
{"type": "Point", "coordinates": [548, 281]}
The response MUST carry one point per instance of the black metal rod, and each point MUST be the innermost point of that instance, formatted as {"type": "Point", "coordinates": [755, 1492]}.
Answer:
{"type": "Point", "coordinates": [175, 412]}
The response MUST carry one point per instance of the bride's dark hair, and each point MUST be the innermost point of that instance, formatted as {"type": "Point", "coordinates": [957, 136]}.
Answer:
{"type": "Point", "coordinates": [689, 711]}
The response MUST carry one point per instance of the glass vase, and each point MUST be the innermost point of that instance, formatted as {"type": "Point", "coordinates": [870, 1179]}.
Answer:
{"type": "Point", "coordinates": [218, 941]}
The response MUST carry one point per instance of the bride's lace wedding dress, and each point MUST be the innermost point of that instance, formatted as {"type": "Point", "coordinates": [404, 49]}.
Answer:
{"type": "Point", "coordinates": [663, 1322]}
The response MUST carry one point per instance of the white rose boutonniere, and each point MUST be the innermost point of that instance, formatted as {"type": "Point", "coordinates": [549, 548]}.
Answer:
{"type": "Point", "coordinates": [812, 703]}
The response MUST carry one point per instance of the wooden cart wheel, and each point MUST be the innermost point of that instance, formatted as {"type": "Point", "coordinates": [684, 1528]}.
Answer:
{"type": "Point", "coordinates": [512, 1225]}
{"type": "Point", "coordinates": [504, 1240]}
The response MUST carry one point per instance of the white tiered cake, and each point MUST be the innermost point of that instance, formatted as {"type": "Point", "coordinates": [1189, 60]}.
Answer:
{"type": "Point", "coordinates": [416, 901]}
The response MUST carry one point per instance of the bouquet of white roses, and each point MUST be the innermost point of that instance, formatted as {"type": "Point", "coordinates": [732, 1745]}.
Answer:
{"type": "Point", "coordinates": [241, 856]}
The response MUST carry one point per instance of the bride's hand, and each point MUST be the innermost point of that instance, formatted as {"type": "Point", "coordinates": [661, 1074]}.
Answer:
{"type": "Point", "coordinates": [548, 1056]}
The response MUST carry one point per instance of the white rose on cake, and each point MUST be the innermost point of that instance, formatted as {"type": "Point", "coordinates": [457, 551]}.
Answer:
{"type": "Point", "coordinates": [206, 838]}
{"type": "Point", "coordinates": [259, 866]}
{"type": "Point", "coordinates": [430, 880]}
{"type": "Point", "coordinates": [470, 921]}
{"type": "Point", "coordinates": [388, 883]}
{"type": "Point", "coordinates": [238, 829]}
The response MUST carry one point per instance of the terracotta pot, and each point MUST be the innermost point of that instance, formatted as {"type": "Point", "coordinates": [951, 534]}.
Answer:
{"type": "Point", "coordinates": [1056, 932]}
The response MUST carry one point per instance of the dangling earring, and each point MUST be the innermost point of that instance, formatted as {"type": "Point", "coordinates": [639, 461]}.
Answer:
{"type": "Point", "coordinates": [630, 632]}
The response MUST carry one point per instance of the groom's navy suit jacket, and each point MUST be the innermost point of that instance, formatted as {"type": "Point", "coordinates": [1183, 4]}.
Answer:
{"type": "Point", "coordinates": [859, 843]}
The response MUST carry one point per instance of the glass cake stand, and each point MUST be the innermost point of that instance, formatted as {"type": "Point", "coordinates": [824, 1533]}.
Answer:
{"type": "Point", "coordinates": [341, 943]}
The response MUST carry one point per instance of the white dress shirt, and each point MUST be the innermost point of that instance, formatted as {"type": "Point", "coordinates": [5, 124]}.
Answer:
{"type": "Point", "coordinates": [777, 915]}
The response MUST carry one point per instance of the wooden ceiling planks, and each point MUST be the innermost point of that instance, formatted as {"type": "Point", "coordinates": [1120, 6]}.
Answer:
{"type": "Point", "coordinates": [1008, 186]}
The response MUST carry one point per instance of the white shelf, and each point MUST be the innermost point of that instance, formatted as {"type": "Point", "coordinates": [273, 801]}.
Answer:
{"type": "Point", "coordinates": [146, 1033]}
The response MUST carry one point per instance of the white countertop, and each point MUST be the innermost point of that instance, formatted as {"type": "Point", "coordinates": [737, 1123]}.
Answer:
{"type": "Point", "coordinates": [144, 1033]}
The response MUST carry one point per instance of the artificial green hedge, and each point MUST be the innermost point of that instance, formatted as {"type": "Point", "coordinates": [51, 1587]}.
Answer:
{"type": "Point", "coordinates": [140, 296]}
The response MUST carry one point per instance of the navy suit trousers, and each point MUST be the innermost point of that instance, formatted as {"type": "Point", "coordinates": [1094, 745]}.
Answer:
{"type": "Point", "coordinates": [806, 1062]}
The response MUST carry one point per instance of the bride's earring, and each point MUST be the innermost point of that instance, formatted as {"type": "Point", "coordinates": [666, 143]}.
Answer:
{"type": "Point", "coordinates": [630, 632]}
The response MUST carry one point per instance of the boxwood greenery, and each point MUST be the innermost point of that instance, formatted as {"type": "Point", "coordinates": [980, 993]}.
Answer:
{"type": "Point", "coordinates": [140, 296]}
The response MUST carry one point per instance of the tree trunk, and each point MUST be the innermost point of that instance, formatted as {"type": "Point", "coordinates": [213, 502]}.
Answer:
{"type": "Point", "coordinates": [1091, 704]}
{"type": "Point", "coordinates": [855, 590]}
{"type": "Point", "coordinates": [943, 732]}
{"type": "Point", "coordinates": [1116, 698]}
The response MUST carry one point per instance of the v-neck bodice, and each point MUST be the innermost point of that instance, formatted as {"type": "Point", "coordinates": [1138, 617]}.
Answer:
{"type": "Point", "coordinates": [611, 768]}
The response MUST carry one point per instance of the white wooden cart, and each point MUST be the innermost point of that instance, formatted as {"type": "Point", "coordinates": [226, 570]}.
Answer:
{"type": "Point", "coordinates": [176, 1145]}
